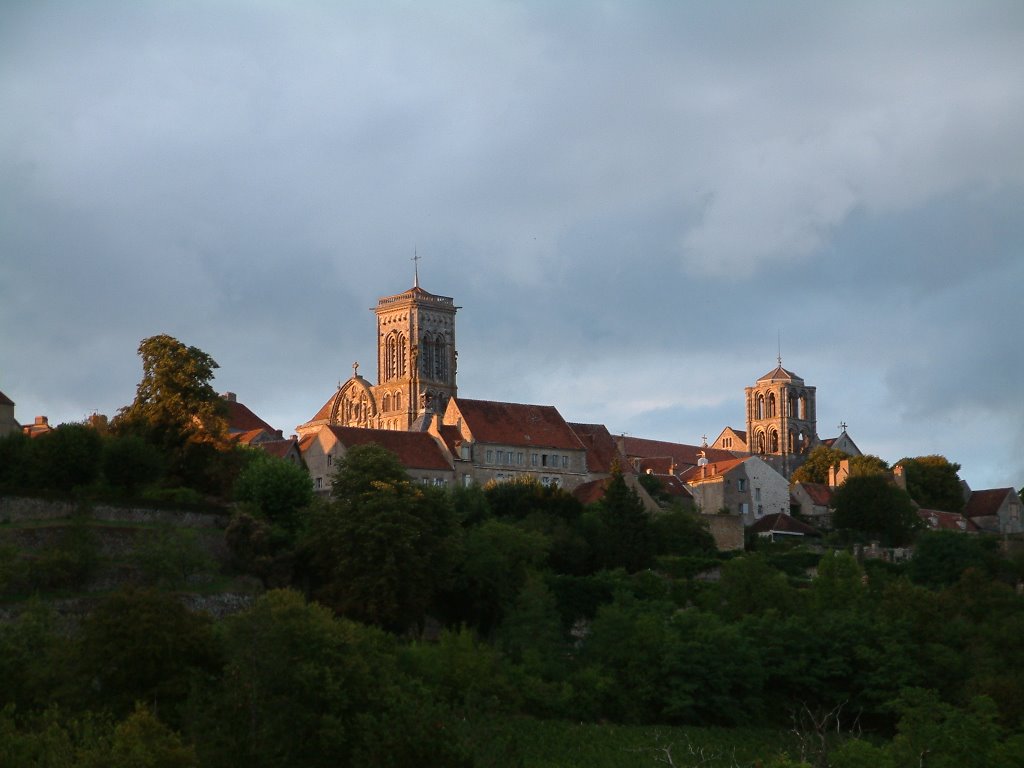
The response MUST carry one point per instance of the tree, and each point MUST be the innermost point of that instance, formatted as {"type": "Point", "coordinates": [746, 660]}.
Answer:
{"type": "Point", "coordinates": [177, 409]}
{"type": "Point", "coordinates": [129, 462]}
{"type": "Point", "coordinates": [383, 547]}
{"type": "Point", "coordinates": [66, 457]}
{"type": "Point", "coordinates": [279, 489]}
{"type": "Point", "coordinates": [872, 507]}
{"type": "Point", "coordinates": [142, 645]}
{"type": "Point", "coordinates": [625, 538]}
{"type": "Point", "coordinates": [815, 468]}
{"type": "Point", "coordinates": [933, 482]}
{"type": "Point", "coordinates": [867, 465]}
{"type": "Point", "coordinates": [679, 532]}
{"type": "Point", "coordinates": [941, 557]}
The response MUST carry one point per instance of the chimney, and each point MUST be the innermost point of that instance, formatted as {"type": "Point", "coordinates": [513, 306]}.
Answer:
{"type": "Point", "coordinates": [231, 397]}
{"type": "Point", "coordinates": [42, 421]}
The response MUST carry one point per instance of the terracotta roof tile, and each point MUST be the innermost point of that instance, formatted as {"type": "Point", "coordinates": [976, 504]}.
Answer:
{"type": "Point", "coordinates": [711, 470]}
{"type": "Point", "coordinates": [938, 520]}
{"type": "Point", "coordinates": [601, 448]}
{"type": "Point", "coordinates": [416, 450]}
{"type": "Point", "coordinates": [987, 502]}
{"type": "Point", "coordinates": [241, 419]}
{"type": "Point", "coordinates": [540, 426]}
{"type": "Point", "coordinates": [819, 493]}
{"type": "Point", "coordinates": [279, 448]}
{"type": "Point", "coordinates": [683, 455]}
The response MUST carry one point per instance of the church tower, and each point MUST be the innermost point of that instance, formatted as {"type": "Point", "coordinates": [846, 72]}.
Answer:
{"type": "Point", "coordinates": [416, 356]}
{"type": "Point", "coordinates": [781, 418]}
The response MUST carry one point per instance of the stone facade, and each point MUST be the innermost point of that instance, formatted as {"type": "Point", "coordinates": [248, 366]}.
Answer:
{"type": "Point", "coordinates": [781, 419]}
{"type": "Point", "coordinates": [747, 487]}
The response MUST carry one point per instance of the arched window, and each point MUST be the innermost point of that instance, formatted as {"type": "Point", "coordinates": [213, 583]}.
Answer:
{"type": "Point", "coordinates": [391, 356]}
{"type": "Point", "coordinates": [386, 403]}
{"type": "Point", "coordinates": [760, 442]}
{"type": "Point", "coordinates": [774, 441]}
{"type": "Point", "coordinates": [398, 401]}
{"type": "Point", "coordinates": [400, 367]}
{"type": "Point", "coordinates": [440, 359]}
{"type": "Point", "coordinates": [760, 406]}
{"type": "Point", "coordinates": [803, 406]}
{"type": "Point", "coordinates": [791, 405]}
{"type": "Point", "coordinates": [790, 442]}
{"type": "Point", "coordinates": [427, 356]}
{"type": "Point", "coordinates": [771, 406]}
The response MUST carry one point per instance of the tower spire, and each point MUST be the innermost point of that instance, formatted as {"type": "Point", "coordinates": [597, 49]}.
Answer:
{"type": "Point", "coordinates": [415, 268]}
{"type": "Point", "coordinates": [780, 348]}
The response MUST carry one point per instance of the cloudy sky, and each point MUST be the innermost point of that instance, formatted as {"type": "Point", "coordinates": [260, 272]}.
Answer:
{"type": "Point", "coordinates": [632, 202]}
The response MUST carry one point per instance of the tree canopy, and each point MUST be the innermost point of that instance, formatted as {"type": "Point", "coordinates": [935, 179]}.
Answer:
{"type": "Point", "coordinates": [870, 506]}
{"type": "Point", "coordinates": [933, 482]}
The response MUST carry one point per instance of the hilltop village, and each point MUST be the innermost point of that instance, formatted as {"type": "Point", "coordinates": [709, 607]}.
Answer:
{"type": "Point", "coordinates": [739, 484]}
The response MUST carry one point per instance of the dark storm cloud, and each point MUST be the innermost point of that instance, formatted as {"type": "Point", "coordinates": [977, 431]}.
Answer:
{"type": "Point", "coordinates": [631, 201]}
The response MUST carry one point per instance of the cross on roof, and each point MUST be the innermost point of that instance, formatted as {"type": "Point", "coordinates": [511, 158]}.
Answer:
{"type": "Point", "coordinates": [842, 426]}
{"type": "Point", "coordinates": [415, 268]}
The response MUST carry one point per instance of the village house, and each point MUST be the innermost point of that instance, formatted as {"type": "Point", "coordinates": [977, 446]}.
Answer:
{"type": "Point", "coordinates": [748, 487]}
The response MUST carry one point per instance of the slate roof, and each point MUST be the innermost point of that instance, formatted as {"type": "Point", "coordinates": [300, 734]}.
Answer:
{"type": "Point", "coordinates": [783, 523]}
{"type": "Point", "coordinates": [683, 455]}
{"type": "Point", "coordinates": [987, 502]}
{"type": "Point", "coordinates": [601, 448]}
{"type": "Point", "coordinates": [415, 450]}
{"type": "Point", "coordinates": [241, 419]}
{"type": "Point", "coordinates": [540, 426]}
{"type": "Point", "coordinates": [781, 374]}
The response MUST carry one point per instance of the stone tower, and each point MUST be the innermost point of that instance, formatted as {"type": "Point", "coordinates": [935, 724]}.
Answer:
{"type": "Point", "coordinates": [781, 419]}
{"type": "Point", "coordinates": [416, 356]}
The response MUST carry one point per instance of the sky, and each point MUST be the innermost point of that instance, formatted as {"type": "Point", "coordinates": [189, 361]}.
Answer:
{"type": "Point", "coordinates": [638, 205]}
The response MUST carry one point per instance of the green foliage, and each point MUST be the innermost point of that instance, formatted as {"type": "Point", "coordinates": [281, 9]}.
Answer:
{"type": "Point", "coordinates": [941, 557]}
{"type": "Point", "coordinates": [384, 547]}
{"type": "Point", "coordinates": [362, 468]}
{"type": "Point", "coordinates": [871, 507]}
{"type": "Point", "coordinates": [867, 465]}
{"type": "Point", "coordinates": [130, 463]}
{"type": "Point", "coordinates": [142, 741]}
{"type": "Point", "coordinates": [749, 585]}
{"type": "Point", "coordinates": [65, 458]}
{"type": "Point", "coordinates": [30, 657]}
{"type": "Point", "coordinates": [302, 688]}
{"type": "Point", "coordinates": [15, 461]}
{"type": "Point", "coordinates": [681, 533]}
{"type": "Point", "coordinates": [933, 482]}
{"type": "Point", "coordinates": [496, 558]}
{"type": "Point", "coordinates": [815, 468]}
{"type": "Point", "coordinates": [260, 549]}
{"type": "Point", "coordinates": [518, 499]}
{"type": "Point", "coordinates": [70, 562]}
{"type": "Point", "coordinates": [141, 645]}
{"type": "Point", "coordinates": [169, 556]}
{"type": "Point", "coordinates": [624, 537]}
{"type": "Point", "coordinates": [277, 488]}
{"type": "Point", "coordinates": [839, 584]}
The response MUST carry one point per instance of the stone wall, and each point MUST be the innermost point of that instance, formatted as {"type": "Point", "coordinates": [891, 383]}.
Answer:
{"type": "Point", "coordinates": [19, 509]}
{"type": "Point", "coordinates": [727, 531]}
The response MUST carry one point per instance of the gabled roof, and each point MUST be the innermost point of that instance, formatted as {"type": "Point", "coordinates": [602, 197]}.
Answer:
{"type": "Point", "coordinates": [540, 426]}
{"type": "Point", "coordinates": [324, 414]}
{"type": "Point", "coordinates": [451, 436]}
{"type": "Point", "coordinates": [781, 374]}
{"type": "Point", "coordinates": [673, 486]}
{"type": "Point", "coordinates": [783, 523]}
{"type": "Point", "coordinates": [415, 450]}
{"type": "Point", "coordinates": [820, 494]}
{"type": "Point", "coordinates": [681, 454]}
{"type": "Point", "coordinates": [250, 436]}
{"type": "Point", "coordinates": [241, 419]}
{"type": "Point", "coordinates": [986, 503]}
{"type": "Point", "coordinates": [5, 400]}
{"type": "Point", "coordinates": [937, 520]}
{"type": "Point", "coordinates": [601, 448]}
{"type": "Point", "coordinates": [712, 470]}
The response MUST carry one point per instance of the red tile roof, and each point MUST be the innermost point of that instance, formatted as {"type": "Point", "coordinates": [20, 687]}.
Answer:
{"type": "Point", "coordinates": [416, 450]}
{"type": "Point", "coordinates": [711, 470]}
{"type": "Point", "coordinates": [683, 455]}
{"type": "Point", "coordinates": [241, 419]}
{"type": "Point", "coordinates": [673, 486]}
{"type": "Point", "coordinates": [247, 438]}
{"type": "Point", "coordinates": [451, 436]}
{"type": "Point", "coordinates": [279, 448]}
{"type": "Point", "coordinates": [783, 523]}
{"type": "Point", "coordinates": [938, 520]}
{"type": "Point", "coordinates": [819, 493]}
{"type": "Point", "coordinates": [540, 426]}
{"type": "Point", "coordinates": [986, 503]}
{"type": "Point", "coordinates": [592, 492]}
{"type": "Point", "coordinates": [601, 448]}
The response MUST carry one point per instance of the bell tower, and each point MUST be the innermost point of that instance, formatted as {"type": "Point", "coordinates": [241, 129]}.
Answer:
{"type": "Point", "coordinates": [416, 356]}
{"type": "Point", "coordinates": [781, 417]}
